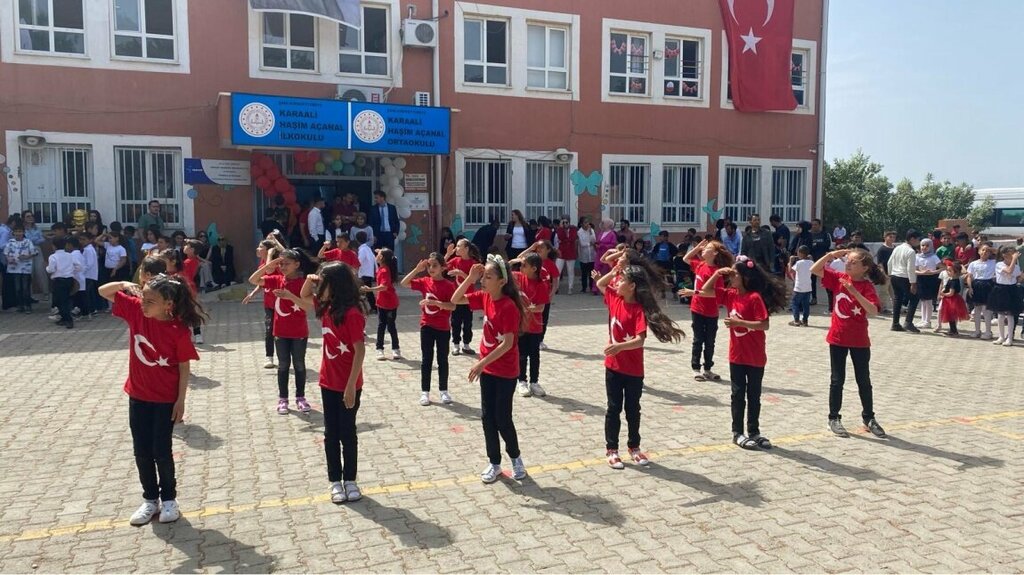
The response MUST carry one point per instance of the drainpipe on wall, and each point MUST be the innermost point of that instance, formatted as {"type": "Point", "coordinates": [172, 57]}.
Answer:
{"type": "Point", "coordinates": [438, 163]}
{"type": "Point", "coordinates": [821, 110]}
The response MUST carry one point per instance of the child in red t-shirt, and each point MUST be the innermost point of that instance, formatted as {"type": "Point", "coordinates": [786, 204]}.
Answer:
{"type": "Point", "coordinates": [752, 295]}
{"type": "Point", "coordinates": [387, 302]}
{"type": "Point", "coordinates": [334, 295]}
{"type": "Point", "coordinates": [549, 272]}
{"type": "Point", "coordinates": [189, 269]}
{"type": "Point", "coordinates": [159, 318]}
{"type": "Point", "coordinates": [284, 277]}
{"type": "Point", "coordinates": [340, 253]}
{"type": "Point", "coordinates": [435, 322]}
{"type": "Point", "coordinates": [265, 252]}
{"type": "Point", "coordinates": [497, 368]}
{"type": "Point", "coordinates": [632, 308]}
{"type": "Point", "coordinates": [533, 286]}
{"type": "Point", "coordinates": [856, 300]}
{"type": "Point", "coordinates": [704, 259]}
{"type": "Point", "coordinates": [460, 257]}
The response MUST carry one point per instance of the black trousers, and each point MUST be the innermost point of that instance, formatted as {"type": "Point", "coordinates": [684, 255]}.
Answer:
{"type": "Point", "coordinates": [746, 397]}
{"type": "Point", "coordinates": [529, 352]}
{"type": "Point", "coordinates": [704, 330]}
{"type": "Point", "coordinates": [431, 339]}
{"type": "Point", "coordinates": [586, 281]}
{"type": "Point", "coordinates": [462, 324]}
{"type": "Point", "coordinates": [7, 292]}
{"type": "Point", "coordinates": [371, 298]}
{"type": "Point", "coordinates": [92, 296]}
{"type": "Point", "coordinates": [104, 277]}
{"type": "Point", "coordinates": [623, 391]}
{"type": "Point", "coordinates": [496, 415]}
{"type": "Point", "coordinates": [62, 297]}
{"type": "Point", "coordinates": [901, 296]}
{"type": "Point", "coordinates": [546, 315]}
{"type": "Point", "coordinates": [386, 320]}
{"type": "Point", "coordinates": [151, 428]}
{"type": "Point", "coordinates": [814, 288]}
{"type": "Point", "coordinates": [341, 445]}
{"type": "Point", "coordinates": [22, 290]}
{"type": "Point", "coordinates": [268, 331]}
{"type": "Point", "coordinates": [291, 352]}
{"type": "Point", "coordinates": [861, 357]}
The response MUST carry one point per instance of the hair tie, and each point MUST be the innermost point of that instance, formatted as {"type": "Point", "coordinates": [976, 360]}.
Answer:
{"type": "Point", "coordinates": [500, 262]}
{"type": "Point", "coordinates": [745, 260]}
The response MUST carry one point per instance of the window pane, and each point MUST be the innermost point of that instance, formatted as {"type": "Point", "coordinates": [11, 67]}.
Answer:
{"type": "Point", "coordinates": [275, 58]}
{"type": "Point", "coordinates": [691, 59]}
{"type": "Point", "coordinates": [536, 79]}
{"type": "Point", "coordinates": [375, 30]}
{"type": "Point", "coordinates": [799, 95]}
{"type": "Point", "coordinates": [496, 75]}
{"type": "Point", "coordinates": [637, 85]}
{"type": "Point", "coordinates": [35, 40]}
{"type": "Point", "coordinates": [536, 46]}
{"type": "Point", "coordinates": [617, 54]}
{"type": "Point", "coordinates": [473, 50]}
{"type": "Point", "coordinates": [303, 60]}
{"type": "Point", "coordinates": [672, 55]}
{"type": "Point", "coordinates": [33, 14]}
{"type": "Point", "coordinates": [302, 29]}
{"type": "Point", "coordinates": [126, 15]}
{"type": "Point", "coordinates": [556, 54]}
{"type": "Point", "coordinates": [377, 65]}
{"type": "Point", "coordinates": [162, 48]}
{"type": "Point", "coordinates": [797, 69]}
{"type": "Point", "coordinates": [496, 42]}
{"type": "Point", "coordinates": [617, 84]}
{"type": "Point", "coordinates": [159, 19]}
{"type": "Point", "coordinates": [474, 73]}
{"type": "Point", "coordinates": [351, 64]}
{"type": "Point", "coordinates": [69, 43]}
{"type": "Point", "coordinates": [128, 46]}
{"type": "Point", "coordinates": [68, 14]}
{"type": "Point", "coordinates": [273, 28]}
{"type": "Point", "coordinates": [348, 37]}
{"type": "Point", "coordinates": [558, 80]}
{"type": "Point", "coordinates": [638, 55]}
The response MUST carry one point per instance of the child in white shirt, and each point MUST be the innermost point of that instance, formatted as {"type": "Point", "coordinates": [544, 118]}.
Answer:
{"type": "Point", "coordinates": [800, 265]}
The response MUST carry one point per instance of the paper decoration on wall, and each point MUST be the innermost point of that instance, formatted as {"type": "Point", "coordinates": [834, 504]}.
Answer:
{"type": "Point", "coordinates": [585, 184]}
{"type": "Point", "coordinates": [655, 230]}
{"type": "Point", "coordinates": [413, 234]}
{"type": "Point", "coordinates": [710, 210]}
{"type": "Point", "coordinates": [456, 226]}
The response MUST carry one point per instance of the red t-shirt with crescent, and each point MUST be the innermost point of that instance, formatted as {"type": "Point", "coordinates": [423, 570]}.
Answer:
{"type": "Point", "coordinates": [346, 256]}
{"type": "Point", "coordinates": [702, 272]}
{"type": "Point", "coordinates": [746, 346]}
{"type": "Point", "coordinates": [626, 321]}
{"type": "Point", "coordinates": [269, 299]}
{"type": "Point", "coordinates": [463, 265]}
{"type": "Point", "coordinates": [157, 347]}
{"type": "Point", "coordinates": [440, 290]}
{"type": "Point", "coordinates": [501, 317]}
{"type": "Point", "coordinates": [339, 342]}
{"type": "Point", "coordinates": [549, 273]}
{"type": "Point", "coordinates": [532, 289]}
{"type": "Point", "coordinates": [388, 298]}
{"type": "Point", "coordinates": [289, 319]}
{"type": "Point", "coordinates": [849, 319]}
{"type": "Point", "coordinates": [189, 269]}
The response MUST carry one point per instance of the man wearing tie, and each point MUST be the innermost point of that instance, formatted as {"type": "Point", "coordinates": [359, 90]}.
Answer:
{"type": "Point", "coordinates": [384, 221]}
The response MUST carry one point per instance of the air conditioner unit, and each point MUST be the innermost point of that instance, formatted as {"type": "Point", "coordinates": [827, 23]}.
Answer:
{"type": "Point", "coordinates": [421, 99]}
{"type": "Point", "coordinates": [32, 139]}
{"type": "Point", "coordinates": [360, 94]}
{"type": "Point", "coordinates": [419, 33]}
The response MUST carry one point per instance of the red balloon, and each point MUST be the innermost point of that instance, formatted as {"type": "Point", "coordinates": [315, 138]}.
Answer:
{"type": "Point", "coordinates": [269, 193]}
{"type": "Point", "coordinates": [311, 157]}
{"type": "Point", "coordinates": [281, 184]}
{"type": "Point", "coordinates": [273, 173]}
{"type": "Point", "coordinates": [266, 163]}
{"type": "Point", "coordinates": [256, 171]}
{"type": "Point", "coordinates": [263, 183]}
{"type": "Point", "coordinates": [294, 209]}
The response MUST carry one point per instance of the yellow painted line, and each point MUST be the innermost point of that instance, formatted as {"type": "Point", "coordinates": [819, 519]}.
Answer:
{"type": "Point", "coordinates": [976, 421]}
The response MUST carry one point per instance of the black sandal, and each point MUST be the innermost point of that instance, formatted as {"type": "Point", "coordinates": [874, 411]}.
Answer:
{"type": "Point", "coordinates": [744, 441]}
{"type": "Point", "coordinates": [762, 441]}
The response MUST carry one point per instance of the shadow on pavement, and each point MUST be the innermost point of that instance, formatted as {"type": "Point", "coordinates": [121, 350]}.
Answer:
{"type": "Point", "coordinates": [404, 524]}
{"type": "Point", "coordinates": [743, 492]}
{"type": "Point", "coordinates": [819, 463]}
{"type": "Point", "coordinates": [680, 399]}
{"type": "Point", "coordinates": [588, 508]}
{"type": "Point", "coordinates": [575, 354]}
{"type": "Point", "coordinates": [200, 382]}
{"type": "Point", "coordinates": [196, 437]}
{"type": "Point", "coordinates": [461, 410]}
{"type": "Point", "coordinates": [780, 391]}
{"type": "Point", "coordinates": [210, 550]}
{"type": "Point", "coordinates": [569, 405]}
{"type": "Point", "coordinates": [966, 461]}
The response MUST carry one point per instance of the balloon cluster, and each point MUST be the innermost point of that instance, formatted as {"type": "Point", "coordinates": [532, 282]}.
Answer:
{"type": "Point", "coordinates": [344, 162]}
{"type": "Point", "coordinates": [268, 178]}
{"type": "Point", "coordinates": [390, 179]}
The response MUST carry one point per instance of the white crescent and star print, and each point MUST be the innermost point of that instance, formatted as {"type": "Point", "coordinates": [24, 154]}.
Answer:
{"type": "Point", "coordinates": [489, 331]}
{"type": "Point", "coordinates": [280, 312]}
{"type": "Point", "coordinates": [838, 308]}
{"type": "Point", "coordinates": [739, 331]}
{"type": "Point", "coordinates": [140, 341]}
{"type": "Point", "coordinates": [749, 39]}
{"type": "Point", "coordinates": [333, 343]}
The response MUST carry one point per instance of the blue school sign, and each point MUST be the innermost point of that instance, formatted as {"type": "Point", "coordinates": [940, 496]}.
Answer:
{"type": "Point", "coordinates": [282, 122]}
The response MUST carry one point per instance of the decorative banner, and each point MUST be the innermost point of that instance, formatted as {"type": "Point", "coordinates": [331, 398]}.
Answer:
{"type": "Point", "coordinates": [418, 202]}
{"type": "Point", "coordinates": [282, 122]}
{"type": "Point", "coordinates": [710, 210]}
{"type": "Point", "coordinates": [416, 181]}
{"type": "Point", "coordinates": [220, 172]}
{"type": "Point", "coordinates": [585, 184]}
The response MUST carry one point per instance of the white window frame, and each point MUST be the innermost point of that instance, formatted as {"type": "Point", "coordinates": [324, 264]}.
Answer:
{"type": "Point", "coordinates": [621, 208]}
{"type": "Point", "coordinates": [740, 210]}
{"type": "Point", "coordinates": [655, 196]}
{"type": "Point", "coordinates": [547, 69]}
{"type": "Point", "coordinates": [680, 77]}
{"type": "Point", "coordinates": [657, 34]}
{"type": "Point", "coordinates": [485, 42]}
{"type": "Point", "coordinates": [551, 177]}
{"type": "Point", "coordinates": [767, 166]}
{"type": "Point", "coordinates": [51, 29]}
{"type": "Point", "coordinates": [670, 198]}
{"type": "Point", "coordinates": [785, 175]}
{"type": "Point", "coordinates": [517, 37]}
{"type": "Point", "coordinates": [141, 33]}
{"type": "Point", "coordinates": [148, 155]}
{"type": "Point", "coordinates": [810, 50]}
{"type": "Point", "coordinates": [59, 199]}
{"type": "Point", "coordinates": [361, 50]}
{"type": "Point", "coordinates": [287, 46]}
{"type": "Point", "coordinates": [802, 86]}
{"type": "Point", "coordinates": [486, 205]}
{"type": "Point", "coordinates": [631, 72]}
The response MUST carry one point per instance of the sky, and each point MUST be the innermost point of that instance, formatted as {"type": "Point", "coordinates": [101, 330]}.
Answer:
{"type": "Point", "coordinates": [928, 86]}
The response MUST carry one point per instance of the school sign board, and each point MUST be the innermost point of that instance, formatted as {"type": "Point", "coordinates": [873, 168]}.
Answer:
{"type": "Point", "coordinates": [284, 122]}
{"type": "Point", "coordinates": [220, 172]}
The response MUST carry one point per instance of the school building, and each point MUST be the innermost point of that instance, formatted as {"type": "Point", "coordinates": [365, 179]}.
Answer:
{"type": "Point", "coordinates": [460, 111]}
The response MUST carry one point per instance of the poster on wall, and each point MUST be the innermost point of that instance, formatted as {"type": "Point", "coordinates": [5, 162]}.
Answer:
{"type": "Point", "coordinates": [418, 202]}
{"type": "Point", "coordinates": [218, 172]}
{"type": "Point", "coordinates": [415, 181]}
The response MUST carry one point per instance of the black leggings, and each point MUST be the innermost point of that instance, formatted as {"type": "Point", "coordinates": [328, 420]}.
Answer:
{"type": "Point", "coordinates": [704, 330]}
{"type": "Point", "coordinates": [431, 338]}
{"type": "Point", "coordinates": [268, 331]}
{"type": "Point", "coordinates": [746, 391]}
{"type": "Point", "coordinates": [386, 320]}
{"type": "Point", "coordinates": [624, 391]}
{"type": "Point", "coordinates": [462, 324]}
{"type": "Point", "coordinates": [151, 428]}
{"type": "Point", "coordinates": [529, 352]}
{"type": "Point", "coordinates": [547, 314]}
{"type": "Point", "coordinates": [371, 298]}
{"type": "Point", "coordinates": [496, 415]}
{"type": "Point", "coordinates": [340, 439]}
{"type": "Point", "coordinates": [861, 357]}
{"type": "Point", "coordinates": [291, 352]}
{"type": "Point", "coordinates": [585, 280]}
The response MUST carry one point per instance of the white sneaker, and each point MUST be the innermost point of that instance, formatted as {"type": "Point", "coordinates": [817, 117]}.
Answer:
{"type": "Point", "coordinates": [523, 388]}
{"type": "Point", "coordinates": [338, 493]}
{"type": "Point", "coordinates": [199, 338]}
{"type": "Point", "coordinates": [53, 317]}
{"type": "Point", "coordinates": [169, 511]}
{"type": "Point", "coordinates": [352, 492]}
{"type": "Point", "coordinates": [1008, 342]}
{"type": "Point", "coordinates": [55, 311]}
{"type": "Point", "coordinates": [396, 354]}
{"type": "Point", "coordinates": [466, 349]}
{"type": "Point", "coordinates": [537, 390]}
{"type": "Point", "coordinates": [446, 398]}
{"type": "Point", "coordinates": [518, 469]}
{"type": "Point", "coordinates": [270, 363]}
{"type": "Point", "coordinates": [543, 346]}
{"type": "Point", "coordinates": [976, 335]}
{"type": "Point", "coordinates": [491, 473]}
{"type": "Point", "coordinates": [997, 341]}
{"type": "Point", "coordinates": [456, 350]}
{"type": "Point", "coordinates": [988, 335]}
{"type": "Point", "coordinates": [711, 376]}
{"type": "Point", "coordinates": [699, 375]}
{"type": "Point", "coordinates": [425, 398]}
{"type": "Point", "coordinates": [380, 355]}
{"type": "Point", "coordinates": [145, 513]}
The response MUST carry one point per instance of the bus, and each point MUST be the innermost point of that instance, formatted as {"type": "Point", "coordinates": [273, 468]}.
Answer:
{"type": "Point", "coordinates": [1008, 216]}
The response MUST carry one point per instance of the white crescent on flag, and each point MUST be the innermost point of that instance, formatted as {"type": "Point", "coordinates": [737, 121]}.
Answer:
{"type": "Point", "coordinates": [615, 322]}
{"type": "Point", "coordinates": [279, 311]}
{"type": "Point", "coordinates": [430, 309]}
{"type": "Point", "coordinates": [771, 10]}
{"type": "Point", "coordinates": [342, 348]}
{"type": "Point", "coordinates": [841, 297]}
{"type": "Point", "coordinates": [140, 340]}
{"type": "Point", "coordinates": [739, 331]}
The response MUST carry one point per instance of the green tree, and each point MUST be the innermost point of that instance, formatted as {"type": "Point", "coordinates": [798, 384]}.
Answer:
{"type": "Point", "coordinates": [980, 216]}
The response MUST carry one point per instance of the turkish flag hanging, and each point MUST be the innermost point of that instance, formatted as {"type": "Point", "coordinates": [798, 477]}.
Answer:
{"type": "Point", "coordinates": [760, 34]}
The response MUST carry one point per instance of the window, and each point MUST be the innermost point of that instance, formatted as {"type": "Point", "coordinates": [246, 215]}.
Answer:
{"type": "Point", "coordinates": [546, 190]}
{"type": "Point", "coordinates": [487, 190]}
{"type": "Point", "coordinates": [798, 74]}
{"type": "Point", "coordinates": [144, 29]}
{"type": "Point", "coordinates": [680, 193]}
{"type": "Point", "coordinates": [628, 64]}
{"type": "Point", "coordinates": [682, 68]}
{"type": "Point", "coordinates": [289, 41]}
{"type": "Point", "coordinates": [627, 198]}
{"type": "Point", "coordinates": [51, 26]}
{"type": "Point", "coordinates": [742, 192]}
{"type": "Point", "coordinates": [486, 51]}
{"type": "Point", "coordinates": [547, 57]}
{"type": "Point", "coordinates": [58, 181]}
{"type": "Point", "coordinates": [365, 51]}
{"type": "Point", "coordinates": [148, 174]}
{"type": "Point", "coordinates": [788, 193]}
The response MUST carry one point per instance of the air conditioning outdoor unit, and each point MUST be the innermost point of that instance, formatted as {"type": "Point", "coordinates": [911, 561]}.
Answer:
{"type": "Point", "coordinates": [360, 93]}
{"type": "Point", "coordinates": [419, 33]}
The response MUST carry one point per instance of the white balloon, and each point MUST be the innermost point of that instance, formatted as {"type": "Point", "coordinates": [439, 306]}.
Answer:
{"type": "Point", "coordinates": [348, 156]}
{"type": "Point", "coordinates": [385, 162]}
{"type": "Point", "coordinates": [392, 181]}
{"type": "Point", "coordinates": [402, 236]}
{"type": "Point", "coordinates": [360, 162]}
{"type": "Point", "coordinates": [390, 170]}
{"type": "Point", "coordinates": [398, 191]}
{"type": "Point", "coordinates": [401, 227]}
{"type": "Point", "coordinates": [404, 213]}
{"type": "Point", "coordinates": [402, 203]}
{"type": "Point", "coordinates": [392, 197]}
{"type": "Point", "coordinates": [399, 163]}
{"type": "Point", "coordinates": [399, 174]}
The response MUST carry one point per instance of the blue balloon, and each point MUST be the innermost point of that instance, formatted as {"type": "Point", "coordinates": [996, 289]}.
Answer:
{"type": "Point", "coordinates": [192, 193]}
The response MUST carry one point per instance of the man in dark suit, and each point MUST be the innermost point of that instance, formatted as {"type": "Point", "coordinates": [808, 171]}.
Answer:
{"type": "Point", "coordinates": [384, 221]}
